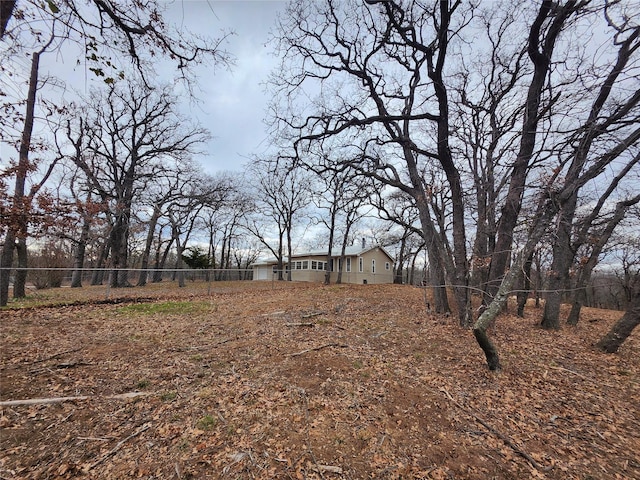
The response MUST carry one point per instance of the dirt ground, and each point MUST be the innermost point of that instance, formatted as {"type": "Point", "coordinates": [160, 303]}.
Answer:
{"type": "Point", "coordinates": [294, 381]}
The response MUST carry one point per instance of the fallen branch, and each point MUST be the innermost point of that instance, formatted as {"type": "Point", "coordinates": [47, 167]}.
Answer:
{"type": "Point", "coordinates": [300, 324]}
{"type": "Point", "coordinates": [313, 314]}
{"type": "Point", "coordinates": [47, 401]}
{"type": "Point", "coordinates": [118, 446]}
{"type": "Point", "coordinates": [78, 363]}
{"type": "Point", "coordinates": [55, 356]}
{"type": "Point", "coordinates": [327, 468]}
{"type": "Point", "coordinates": [315, 349]}
{"type": "Point", "coordinates": [500, 435]}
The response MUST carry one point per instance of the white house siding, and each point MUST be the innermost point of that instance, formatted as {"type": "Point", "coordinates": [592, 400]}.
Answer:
{"type": "Point", "coordinates": [262, 272]}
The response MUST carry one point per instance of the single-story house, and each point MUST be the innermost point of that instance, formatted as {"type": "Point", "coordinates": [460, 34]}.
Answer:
{"type": "Point", "coordinates": [361, 265]}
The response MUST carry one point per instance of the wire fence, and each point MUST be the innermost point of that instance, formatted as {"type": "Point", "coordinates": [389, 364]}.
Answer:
{"type": "Point", "coordinates": [41, 278]}
{"type": "Point", "coordinates": [602, 292]}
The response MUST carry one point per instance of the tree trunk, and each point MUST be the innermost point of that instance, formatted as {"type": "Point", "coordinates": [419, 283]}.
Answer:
{"type": "Point", "coordinates": [6, 12]}
{"type": "Point", "coordinates": [327, 273]}
{"type": "Point", "coordinates": [546, 212]}
{"type": "Point", "coordinates": [434, 247]}
{"type": "Point", "coordinates": [560, 265]}
{"type": "Point", "coordinates": [153, 221]}
{"type": "Point", "coordinates": [6, 262]}
{"type": "Point", "coordinates": [586, 267]}
{"type": "Point", "coordinates": [525, 285]}
{"type": "Point", "coordinates": [578, 301]}
{"type": "Point", "coordinates": [161, 261]}
{"type": "Point", "coordinates": [612, 341]}
{"type": "Point", "coordinates": [18, 221]}
{"type": "Point", "coordinates": [397, 276]}
{"type": "Point", "coordinates": [118, 240]}
{"type": "Point", "coordinates": [513, 201]}
{"type": "Point", "coordinates": [289, 249]}
{"type": "Point", "coordinates": [460, 272]}
{"type": "Point", "coordinates": [20, 279]}
{"type": "Point", "coordinates": [78, 257]}
{"type": "Point", "coordinates": [98, 275]}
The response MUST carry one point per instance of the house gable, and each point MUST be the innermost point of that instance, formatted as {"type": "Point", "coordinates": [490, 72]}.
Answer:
{"type": "Point", "coordinates": [361, 265]}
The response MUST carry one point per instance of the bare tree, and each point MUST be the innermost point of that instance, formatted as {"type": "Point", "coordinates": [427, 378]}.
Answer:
{"type": "Point", "coordinates": [166, 186]}
{"type": "Point", "coordinates": [547, 26]}
{"type": "Point", "coordinates": [281, 195]}
{"type": "Point", "coordinates": [134, 30]}
{"type": "Point", "coordinates": [376, 103]}
{"type": "Point", "coordinates": [18, 216]}
{"type": "Point", "coordinates": [342, 194]}
{"type": "Point", "coordinates": [109, 31]}
{"type": "Point", "coordinates": [613, 109]}
{"type": "Point", "coordinates": [131, 133]}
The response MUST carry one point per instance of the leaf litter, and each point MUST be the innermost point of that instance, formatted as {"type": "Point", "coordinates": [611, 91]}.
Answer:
{"type": "Point", "coordinates": [295, 381]}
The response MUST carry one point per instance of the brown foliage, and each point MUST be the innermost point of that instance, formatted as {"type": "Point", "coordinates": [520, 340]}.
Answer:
{"type": "Point", "coordinates": [376, 388]}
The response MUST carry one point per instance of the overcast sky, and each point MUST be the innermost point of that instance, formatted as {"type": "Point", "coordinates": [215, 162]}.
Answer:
{"type": "Point", "coordinates": [232, 102]}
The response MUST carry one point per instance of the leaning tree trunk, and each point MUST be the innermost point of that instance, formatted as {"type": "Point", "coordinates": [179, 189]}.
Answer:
{"type": "Point", "coordinates": [546, 212]}
{"type": "Point", "coordinates": [611, 342]}
{"type": "Point", "coordinates": [587, 267]}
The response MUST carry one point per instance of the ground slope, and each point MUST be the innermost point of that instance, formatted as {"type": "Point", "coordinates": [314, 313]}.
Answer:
{"type": "Point", "coordinates": [262, 380]}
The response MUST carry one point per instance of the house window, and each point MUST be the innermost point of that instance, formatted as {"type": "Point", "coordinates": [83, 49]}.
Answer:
{"type": "Point", "coordinates": [298, 265]}
{"type": "Point", "coordinates": [348, 264]}
{"type": "Point", "coordinates": [373, 265]}
{"type": "Point", "coordinates": [314, 265]}
{"type": "Point", "coordinates": [305, 264]}
{"type": "Point", "coordinates": [387, 266]}
{"type": "Point", "coordinates": [322, 265]}
{"type": "Point", "coordinates": [360, 264]}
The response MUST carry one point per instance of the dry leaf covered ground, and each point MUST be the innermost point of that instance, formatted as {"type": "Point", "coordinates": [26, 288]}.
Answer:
{"type": "Point", "coordinates": [262, 380]}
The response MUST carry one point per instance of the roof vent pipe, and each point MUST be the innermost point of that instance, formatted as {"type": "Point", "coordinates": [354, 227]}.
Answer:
{"type": "Point", "coordinates": [364, 243]}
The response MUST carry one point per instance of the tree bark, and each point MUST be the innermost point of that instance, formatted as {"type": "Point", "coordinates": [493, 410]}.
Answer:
{"type": "Point", "coordinates": [513, 202]}
{"type": "Point", "coordinates": [612, 341]}
{"type": "Point", "coordinates": [153, 221]}
{"type": "Point", "coordinates": [525, 285]}
{"type": "Point", "coordinates": [562, 259]}
{"type": "Point", "coordinates": [78, 257]}
{"type": "Point", "coordinates": [546, 212]}
{"type": "Point", "coordinates": [18, 221]}
{"type": "Point", "coordinates": [6, 12]}
{"type": "Point", "coordinates": [6, 262]}
{"type": "Point", "coordinates": [20, 279]}
{"type": "Point", "coordinates": [328, 269]}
